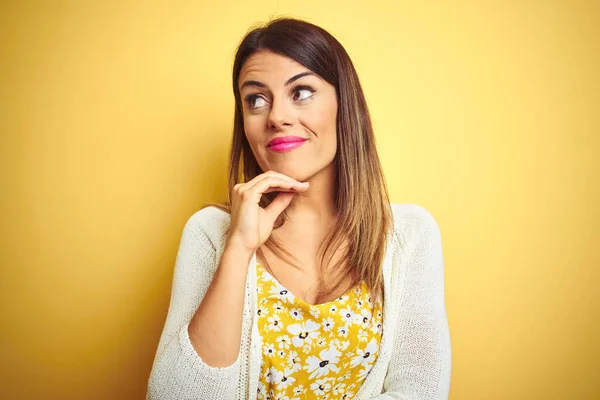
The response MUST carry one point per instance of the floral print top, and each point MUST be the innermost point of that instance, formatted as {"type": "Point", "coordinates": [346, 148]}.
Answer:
{"type": "Point", "coordinates": [320, 351]}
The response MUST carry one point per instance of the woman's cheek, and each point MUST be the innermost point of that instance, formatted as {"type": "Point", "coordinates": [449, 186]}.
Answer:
{"type": "Point", "coordinates": [319, 118]}
{"type": "Point", "coordinates": [257, 121]}
{"type": "Point", "coordinates": [251, 127]}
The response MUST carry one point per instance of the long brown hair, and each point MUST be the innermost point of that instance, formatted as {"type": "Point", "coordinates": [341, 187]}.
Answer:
{"type": "Point", "coordinates": [362, 201]}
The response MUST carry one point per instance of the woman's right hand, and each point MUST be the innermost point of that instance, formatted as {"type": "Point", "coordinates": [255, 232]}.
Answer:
{"type": "Point", "coordinates": [251, 225]}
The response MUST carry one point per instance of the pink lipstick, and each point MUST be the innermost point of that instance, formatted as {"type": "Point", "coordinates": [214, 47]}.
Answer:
{"type": "Point", "coordinates": [286, 143]}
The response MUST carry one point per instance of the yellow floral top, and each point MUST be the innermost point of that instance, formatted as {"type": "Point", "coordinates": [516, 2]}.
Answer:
{"type": "Point", "coordinates": [321, 351]}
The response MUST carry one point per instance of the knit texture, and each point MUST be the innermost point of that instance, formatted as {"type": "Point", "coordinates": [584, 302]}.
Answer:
{"type": "Point", "coordinates": [414, 359]}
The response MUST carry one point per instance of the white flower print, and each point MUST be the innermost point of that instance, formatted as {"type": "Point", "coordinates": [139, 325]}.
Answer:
{"type": "Point", "coordinates": [273, 376]}
{"type": "Point", "coordinates": [363, 336]}
{"type": "Point", "coordinates": [296, 314]}
{"type": "Point", "coordinates": [341, 345]}
{"type": "Point", "coordinates": [322, 351]}
{"type": "Point", "coordinates": [274, 323]}
{"type": "Point", "coordinates": [357, 319]}
{"type": "Point", "coordinates": [287, 379]}
{"type": "Point", "coordinates": [282, 293]}
{"type": "Point", "coordinates": [283, 341]}
{"type": "Point", "coordinates": [376, 329]}
{"type": "Point", "coordinates": [320, 388]}
{"type": "Point", "coordinates": [363, 372]}
{"type": "Point", "coordinates": [260, 391]}
{"type": "Point", "coordinates": [263, 309]}
{"type": "Point", "coordinates": [292, 357]}
{"type": "Point", "coordinates": [359, 302]}
{"type": "Point", "coordinates": [339, 388]}
{"type": "Point", "coordinates": [304, 332]}
{"type": "Point", "coordinates": [294, 361]}
{"type": "Point", "coordinates": [269, 350]}
{"type": "Point", "coordinates": [299, 389]}
{"type": "Point", "coordinates": [328, 324]}
{"type": "Point", "coordinates": [363, 318]}
{"type": "Point", "coordinates": [347, 315]}
{"type": "Point", "coordinates": [346, 376]}
{"type": "Point", "coordinates": [322, 365]}
{"type": "Point", "coordinates": [366, 356]}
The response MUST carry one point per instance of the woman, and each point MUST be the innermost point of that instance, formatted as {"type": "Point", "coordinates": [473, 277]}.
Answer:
{"type": "Point", "coordinates": [308, 284]}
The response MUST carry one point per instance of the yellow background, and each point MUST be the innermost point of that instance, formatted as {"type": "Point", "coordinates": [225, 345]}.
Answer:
{"type": "Point", "coordinates": [116, 119]}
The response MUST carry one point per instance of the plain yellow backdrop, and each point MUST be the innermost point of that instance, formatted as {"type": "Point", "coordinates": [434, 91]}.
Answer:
{"type": "Point", "coordinates": [116, 119]}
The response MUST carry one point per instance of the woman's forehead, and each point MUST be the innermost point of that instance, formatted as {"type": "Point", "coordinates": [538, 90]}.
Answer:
{"type": "Point", "coordinates": [268, 65]}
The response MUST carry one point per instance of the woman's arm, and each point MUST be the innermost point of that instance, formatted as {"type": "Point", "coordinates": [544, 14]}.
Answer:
{"type": "Point", "coordinates": [421, 359]}
{"type": "Point", "coordinates": [216, 328]}
{"type": "Point", "coordinates": [199, 301]}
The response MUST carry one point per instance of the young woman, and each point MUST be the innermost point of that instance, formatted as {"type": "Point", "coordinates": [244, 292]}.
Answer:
{"type": "Point", "coordinates": [308, 284]}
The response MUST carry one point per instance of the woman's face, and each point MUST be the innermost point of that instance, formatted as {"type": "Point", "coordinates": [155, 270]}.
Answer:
{"type": "Point", "coordinates": [282, 98]}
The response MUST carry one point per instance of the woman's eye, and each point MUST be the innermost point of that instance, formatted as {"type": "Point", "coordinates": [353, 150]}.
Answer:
{"type": "Point", "coordinates": [259, 100]}
{"type": "Point", "coordinates": [254, 101]}
{"type": "Point", "coordinates": [304, 94]}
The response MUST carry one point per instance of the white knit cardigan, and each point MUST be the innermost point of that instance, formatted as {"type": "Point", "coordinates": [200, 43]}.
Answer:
{"type": "Point", "coordinates": [414, 356]}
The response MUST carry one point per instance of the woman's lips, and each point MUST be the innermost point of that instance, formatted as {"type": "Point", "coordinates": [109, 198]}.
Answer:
{"type": "Point", "coordinates": [286, 146]}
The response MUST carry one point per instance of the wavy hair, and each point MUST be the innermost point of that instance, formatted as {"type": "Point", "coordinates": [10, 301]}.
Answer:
{"type": "Point", "coordinates": [364, 217]}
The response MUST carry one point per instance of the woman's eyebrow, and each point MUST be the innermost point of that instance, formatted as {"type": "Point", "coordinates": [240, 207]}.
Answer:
{"type": "Point", "coordinates": [298, 76]}
{"type": "Point", "coordinates": [288, 82]}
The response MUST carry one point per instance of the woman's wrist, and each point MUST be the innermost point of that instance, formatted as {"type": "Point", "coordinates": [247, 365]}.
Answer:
{"type": "Point", "coordinates": [236, 255]}
{"type": "Point", "coordinates": [235, 247]}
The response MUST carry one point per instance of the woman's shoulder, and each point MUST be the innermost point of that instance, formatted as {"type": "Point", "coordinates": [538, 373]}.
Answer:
{"type": "Point", "coordinates": [211, 221]}
{"type": "Point", "coordinates": [412, 222]}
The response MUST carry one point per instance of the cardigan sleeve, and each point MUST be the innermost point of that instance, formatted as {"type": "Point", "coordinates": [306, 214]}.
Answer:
{"type": "Point", "coordinates": [178, 372]}
{"type": "Point", "coordinates": [421, 360]}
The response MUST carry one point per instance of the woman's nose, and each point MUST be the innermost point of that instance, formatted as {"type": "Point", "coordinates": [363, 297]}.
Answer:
{"type": "Point", "coordinates": [281, 114]}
